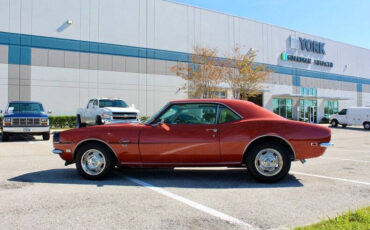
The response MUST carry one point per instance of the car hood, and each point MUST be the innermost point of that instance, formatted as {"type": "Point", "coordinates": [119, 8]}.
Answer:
{"type": "Point", "coordinates": [120, 110]}
{"type": "Point", "coordinates": [25, 115]}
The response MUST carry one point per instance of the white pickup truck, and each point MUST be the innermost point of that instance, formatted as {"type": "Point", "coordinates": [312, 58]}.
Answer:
{"type": "Point", "coordinates": [105, 111]}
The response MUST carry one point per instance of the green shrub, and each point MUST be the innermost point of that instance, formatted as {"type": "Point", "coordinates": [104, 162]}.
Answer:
{"type": "Point", "coordinates": [324, 120]}
{"type": "Point", "coordinates": [62, 122]}
{"type": "Point", "coordinates": [144, 118]}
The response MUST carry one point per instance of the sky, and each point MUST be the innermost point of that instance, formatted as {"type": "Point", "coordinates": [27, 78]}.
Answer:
{"type": "Point", "coordinates": [346, 21]}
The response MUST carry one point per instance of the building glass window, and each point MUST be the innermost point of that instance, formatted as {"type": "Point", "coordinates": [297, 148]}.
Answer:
{"type": "Point", "coordinates": [308, 91]}
{"type": "Point", "coordinates": [283, 107]}
{"type": "Point", "coordinates": [330, 108]}
{"type": "Point", "coordinates": [222, 94]}
{"type": "Point", "coordinates": [308, 110]}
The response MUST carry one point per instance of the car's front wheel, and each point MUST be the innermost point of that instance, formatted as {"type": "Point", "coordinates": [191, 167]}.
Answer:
{"type": "Point", "coordinates": [94, 161]}
{"type": "Point", "coordinates": [5, 136]}
{"type": "Point", "coordinates": [46, 136]}
{"type": "Point", "coordinates": [98, 120]}
{"type": "Point", "coordinates": [268, 162]}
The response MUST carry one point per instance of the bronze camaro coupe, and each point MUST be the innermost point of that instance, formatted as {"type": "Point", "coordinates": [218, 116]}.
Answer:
{"type": "Point", "coordinates": [196, 133]}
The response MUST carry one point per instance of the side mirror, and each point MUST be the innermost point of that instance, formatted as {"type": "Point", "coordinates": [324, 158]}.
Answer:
{"type": "Point", "coordinates": [49, 111]}
{"type": "Point", "coordinates": [161, 122]}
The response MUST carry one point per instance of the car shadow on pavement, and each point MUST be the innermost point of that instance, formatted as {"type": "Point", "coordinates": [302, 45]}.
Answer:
{"type": "Point", "coordinates": [20, 138]}
{"type": "Point", "coordinates": [353, 128]}
{"type": "Point", "coordinates": [176, 178]}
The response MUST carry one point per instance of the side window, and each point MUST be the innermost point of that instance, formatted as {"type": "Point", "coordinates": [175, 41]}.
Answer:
{"type": "Point", "coordinates": [189, 114]}
{"type": "Point", "coordinates": [95, 102]}
{"type": "Point", "coordinates": [90, 104]}
{"type": "Point", "coordinates": [226, 115]}
{"type": "Point", "coordinates": [343, 112]}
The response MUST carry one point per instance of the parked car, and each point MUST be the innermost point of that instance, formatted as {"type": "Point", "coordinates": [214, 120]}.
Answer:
{"type": "Point", "coordinates": [352, 116]}
{"type": "Point", "coordinates": [105, 111]}
{"type": "Point", "coordinates": [196, 133]}
{"type": "Point", "coordinates": [25, 117]}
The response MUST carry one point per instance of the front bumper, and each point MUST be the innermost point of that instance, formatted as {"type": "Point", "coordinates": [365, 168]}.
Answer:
{"type": "Point", "coordinates": [26, 130]}
{"type": "Point", "coordinates": [57, 151]}
{"type": "Point", "coordinates": [117, 121]}
{"type": "Point", "coordinates": [326, 145]}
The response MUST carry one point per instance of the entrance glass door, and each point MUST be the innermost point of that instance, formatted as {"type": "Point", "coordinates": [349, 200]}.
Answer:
{"type": "Point", "coordinates": [308, 110]}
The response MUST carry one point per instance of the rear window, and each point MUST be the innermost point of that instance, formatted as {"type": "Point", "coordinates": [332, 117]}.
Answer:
{"type": "Point", "coordinates": [226, 115]}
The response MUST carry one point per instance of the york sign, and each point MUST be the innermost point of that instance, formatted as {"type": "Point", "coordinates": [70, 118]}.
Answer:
{"type": "Point", "coordinates": [312, 46]}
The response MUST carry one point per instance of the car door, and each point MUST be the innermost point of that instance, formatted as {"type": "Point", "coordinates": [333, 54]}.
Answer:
{"type": "Point", "coordinates": [183, 134]}
{"type": "Point", "coordinates": [343, 116]}
{"type": "Point", "coordinates": [233, 135]}
{"type": "Point", "coordinates": [87, 112]}
{"type": "Point", "coordinates": [94, 111]}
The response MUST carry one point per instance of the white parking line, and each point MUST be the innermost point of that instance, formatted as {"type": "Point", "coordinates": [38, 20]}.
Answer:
{"type": "Point", "coordinates": [342, 159]}
{"type": "Point", "coordinates": [331, 178]}
{"type": "Point", "coordinates": [347, 150]}
{"type": "Point", "coordinates": [193, 204]}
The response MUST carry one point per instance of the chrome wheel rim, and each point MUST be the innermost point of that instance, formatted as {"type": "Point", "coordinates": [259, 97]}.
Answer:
{"type": "Point", "coordinates": [93, 162]}
{"type": "Point", "coordinates": [269, 162]}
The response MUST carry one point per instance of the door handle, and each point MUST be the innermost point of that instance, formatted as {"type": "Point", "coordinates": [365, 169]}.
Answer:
{"type": "Point", "coordinates": [213, 130]}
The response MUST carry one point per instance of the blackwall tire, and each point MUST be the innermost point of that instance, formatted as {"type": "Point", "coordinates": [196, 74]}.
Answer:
{"type": "Point", "coordinates": [334, 123]}
{"type": "Point", "coordinates": [46, 136]}
{"type": "Point", "coordinates": [98, 121]}
{"type": "Point", "coordinates": [5, 137]}
{"type": "Point", "coordinates": [94, 161]}
{"type": "Point", "coordinates": [79, 124]}
{"type": "Point", "coordinates": [268, 162]}
{"type": "Point", "coordinates": [367, 125]}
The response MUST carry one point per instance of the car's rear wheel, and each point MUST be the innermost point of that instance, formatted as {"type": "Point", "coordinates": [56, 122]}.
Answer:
{"type": "Point", "coordinates": [46, 136]}
{"type": "Point", "coordinates": [5, 136]}
{"type": "Point", "coordinates": [79, 123]}
{"type": "Point", "coordinates": [94, 161]}
{"type": "Point", "coordinates": [367, 125]}
{"type": "Point", "coordinates": [334, 123]}
{"type": "Point", "coordinates": [344, 125]}
{"type": "Point", "coordinates": [268, 162]}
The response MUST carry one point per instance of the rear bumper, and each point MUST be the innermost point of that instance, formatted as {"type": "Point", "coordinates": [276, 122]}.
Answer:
{"type": "Point", "coordinates": [26, 130]}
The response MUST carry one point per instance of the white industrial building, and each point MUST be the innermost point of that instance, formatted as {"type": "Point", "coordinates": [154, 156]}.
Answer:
{"type": "Point", "coordinates": [63, 52]}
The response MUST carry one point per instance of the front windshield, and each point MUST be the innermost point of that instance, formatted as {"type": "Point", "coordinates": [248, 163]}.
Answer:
{"type": "Point", "coordinates": [17, 107]}
{"type": "Point", "coordinates": [112, 103]}
{"type": "Point", "coordinates": [155, 115]}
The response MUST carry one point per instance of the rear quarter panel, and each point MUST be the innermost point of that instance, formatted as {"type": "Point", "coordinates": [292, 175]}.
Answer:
{"type": "Point", "coordinates": [236, 136]}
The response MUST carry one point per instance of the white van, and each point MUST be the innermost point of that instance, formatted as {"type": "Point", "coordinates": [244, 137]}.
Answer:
{"type": "Point", "coordinates": [352, 116]}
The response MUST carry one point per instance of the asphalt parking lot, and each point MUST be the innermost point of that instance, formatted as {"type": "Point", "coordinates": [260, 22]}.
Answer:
{"type": "Point", "coordinates": [38, 192]}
